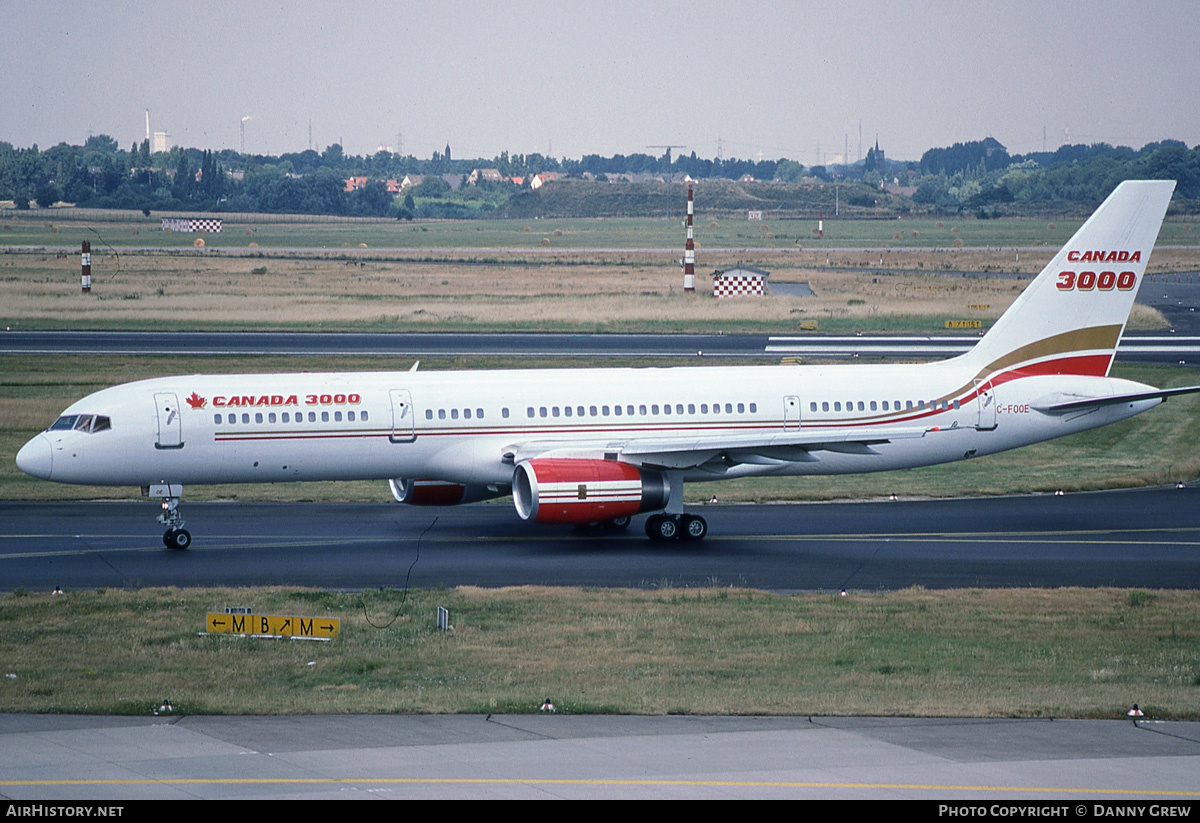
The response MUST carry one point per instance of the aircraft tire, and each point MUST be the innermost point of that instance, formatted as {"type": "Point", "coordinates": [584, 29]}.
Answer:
{"type": "Point", "coordinates": [662, 527]}
{"type": "Point", "coordinates": [618, 523]}
{"type": "Point", "coordinates": [177, 539]}
{"type": "Point", "coordinates": [693, 527]}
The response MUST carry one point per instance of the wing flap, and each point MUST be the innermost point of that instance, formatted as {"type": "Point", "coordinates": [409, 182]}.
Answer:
{"type": "Point", "coordinates": [690, 452]}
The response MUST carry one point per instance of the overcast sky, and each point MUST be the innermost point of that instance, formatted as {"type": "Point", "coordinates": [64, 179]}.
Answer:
{"type": "Point", "coordinates": [780, 79]}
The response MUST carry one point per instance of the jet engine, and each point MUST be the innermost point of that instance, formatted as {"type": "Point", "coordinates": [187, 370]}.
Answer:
{"type": "Point", "coordinates": [439, 492]}
{"type": "Point", "coordinates": [567, 490]}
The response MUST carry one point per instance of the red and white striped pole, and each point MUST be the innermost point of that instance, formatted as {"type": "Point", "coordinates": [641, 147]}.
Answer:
{"type": "Point", "coordinates": [689, 251]}
{"type": "Point", "coordinates": [820, 225]}
{"type": "Point", "coordinates": [86, 259]}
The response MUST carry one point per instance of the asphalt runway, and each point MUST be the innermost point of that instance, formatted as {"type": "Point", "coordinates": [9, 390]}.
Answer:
{"type": "Point", "coordinates": [1077, 768]}
{"type": "Point", "coordinates": [1138, 538]}
{"type": "Point", "coordinates": [1142, 347]}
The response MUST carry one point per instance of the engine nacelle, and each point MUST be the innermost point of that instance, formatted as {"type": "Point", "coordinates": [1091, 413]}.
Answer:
{"type": "Point", "coordinates": [566, 490]}
{"type": "Point", "coordinates": [439, 492]}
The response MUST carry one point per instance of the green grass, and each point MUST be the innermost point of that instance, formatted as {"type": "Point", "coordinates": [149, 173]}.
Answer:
{"type": "Point", "coordinates": [983, 653]}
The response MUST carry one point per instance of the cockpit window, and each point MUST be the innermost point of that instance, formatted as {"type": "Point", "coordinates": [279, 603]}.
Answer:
{"type": "Point", "coordinates": [82, 422]}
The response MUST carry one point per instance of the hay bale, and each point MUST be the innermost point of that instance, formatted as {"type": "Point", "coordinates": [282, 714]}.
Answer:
{"type": "Point", "coordinates": [712, 224]}
{"type": "Point", "coordinates": [958, 244]}
{"type": "Point", "coordinates": [769, 236]}
{"type": "Point", "coordinates": [528, 229]}
{"type": "Point", "coordinates": [247, 232]}
{"type": "Point", "coordinates": [916, 233]}
{"type": "Point", "coordinates": [895, 235]}
{"type": "Point", "coordinates": [558, 232]}
{"type": "Point", "coordinates": [198, 242]}
{"type": "Point", "coordinates": [362, 245]}
{"type": "Point", "coordinates": [956, 230]}
{"type": "Point", "coordinates": [253, 245]}
{"type": "Point", "coordinates": [939, 224]}
{"type": "Point", "coordinates": [1051, 227]}
{"type": "Point", "coordinates": [345, 245]}
{"type": "Point", "coordinates": [545, 241]}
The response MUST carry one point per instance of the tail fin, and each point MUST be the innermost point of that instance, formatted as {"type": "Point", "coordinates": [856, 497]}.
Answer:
{"type": "Point", "coordinates": [1070, 318]}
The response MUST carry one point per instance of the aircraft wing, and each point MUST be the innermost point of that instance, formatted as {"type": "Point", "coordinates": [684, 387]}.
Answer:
{"type": "Point", "coordinates": [1112, 400]}
{"type": "Point", "coordinates": [669, 452]}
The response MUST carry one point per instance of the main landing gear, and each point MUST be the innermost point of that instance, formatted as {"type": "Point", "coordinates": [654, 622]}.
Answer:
{"type": "Point", "coordinates": [676, 526]}
{"type": "Point", "coordinates": [176, 536]}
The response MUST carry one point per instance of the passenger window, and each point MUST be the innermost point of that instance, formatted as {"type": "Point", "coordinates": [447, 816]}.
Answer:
{"type": "Point", "coordinates": [312, 417]}
{"type": "Point", "coordinates": [429, 414]}
{"type": "Point", "coordinates": [504, 412]}
{"type": "Point", "coordinates": [441, 414]}
{"type": "Point", "coordinates": [454, 414]}
{"type": "Point", "coordinates": [837, 405]}
{"type": "Point", "coordinates": [642, 408]}
{"type": "Point", "coordinates": [349, 416]}
{"type": "Point", "coordinates": [741, 408]}
{"type": "Point", "coordinates": [217, 419]}
{"type": "Point", "coordinates": [324, 417]}
{"type": "Point", "coordinates": [824, 405]}
{"type": "Point", "coordinates": [245, 417]}
{"type": "Point", "coordinates": [753, 408]}
{"type": "Point", "coordinates": [271, 417]}
{"type": "Point", "coordinates": [364, 415]}
{"type": "Point", "coordinates": [479, 414]}
{"type": "Point", "coordinates": [617, 410]}
{"type": "Point", "coordinates": [337, 417]}
{"type": "Point", "coordinates": [604, 410]}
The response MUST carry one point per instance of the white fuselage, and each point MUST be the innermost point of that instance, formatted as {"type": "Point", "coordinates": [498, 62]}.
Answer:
{"type": "Point", "coordinates": [470, 428]}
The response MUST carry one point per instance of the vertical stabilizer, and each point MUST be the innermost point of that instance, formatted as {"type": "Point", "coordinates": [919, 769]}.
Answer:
{"type": "Point", "coordinates": [1070, 318]}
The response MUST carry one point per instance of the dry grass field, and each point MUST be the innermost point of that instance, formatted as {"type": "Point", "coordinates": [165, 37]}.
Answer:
{"type": "Point", "coordinates": [910, 290]}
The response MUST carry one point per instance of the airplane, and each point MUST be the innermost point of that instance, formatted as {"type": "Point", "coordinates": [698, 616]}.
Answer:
{"type": "Point", "coordinates": [599, 446]}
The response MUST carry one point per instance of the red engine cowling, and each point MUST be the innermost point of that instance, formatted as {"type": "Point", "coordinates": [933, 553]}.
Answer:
{"type": "Point", "coordinates": [439, 492]}
{"type": "Point", "coordinates": [553, 490]}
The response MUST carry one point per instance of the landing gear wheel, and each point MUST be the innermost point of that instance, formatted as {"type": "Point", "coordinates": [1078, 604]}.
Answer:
{"type": "Point", "coordinates": [618, 523]}
{"type": "Point", "coordinates": [693, 527]}
{"type": "Point", "coordinates": [177, 538]}
{"type": "Point", "coordinates": [662, 527]}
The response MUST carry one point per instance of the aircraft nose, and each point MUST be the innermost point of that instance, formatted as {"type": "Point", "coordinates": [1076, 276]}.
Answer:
{"type": "Point", "coordinates": [35, 458]}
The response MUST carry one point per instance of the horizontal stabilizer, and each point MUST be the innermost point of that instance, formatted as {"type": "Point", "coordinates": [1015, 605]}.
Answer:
{"type": "Point", "coordinates": [1113, 400]}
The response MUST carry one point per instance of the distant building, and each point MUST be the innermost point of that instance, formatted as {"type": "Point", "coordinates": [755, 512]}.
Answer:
{"type": "Point", "coordinates": [542, 179]}
{"type": "Point", "coordinates": [740, 281]}
{"type": "Point", "coordinates": [487, 175]}
{"type": "Point", "coordinates": [356, 183]}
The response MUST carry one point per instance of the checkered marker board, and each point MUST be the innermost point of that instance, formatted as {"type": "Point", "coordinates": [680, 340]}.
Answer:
{"type": "Point", "coordinates": [210, 225]}
{"type": "Point", "coordinates": [737, 285]}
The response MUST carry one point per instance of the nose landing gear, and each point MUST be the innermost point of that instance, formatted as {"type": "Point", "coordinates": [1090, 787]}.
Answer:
{"type": "Point", "coordinates": [176, 536]}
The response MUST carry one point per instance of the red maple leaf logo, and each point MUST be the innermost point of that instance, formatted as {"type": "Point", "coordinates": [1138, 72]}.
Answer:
{"type": "Point", "coordinates": [196, 401]}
